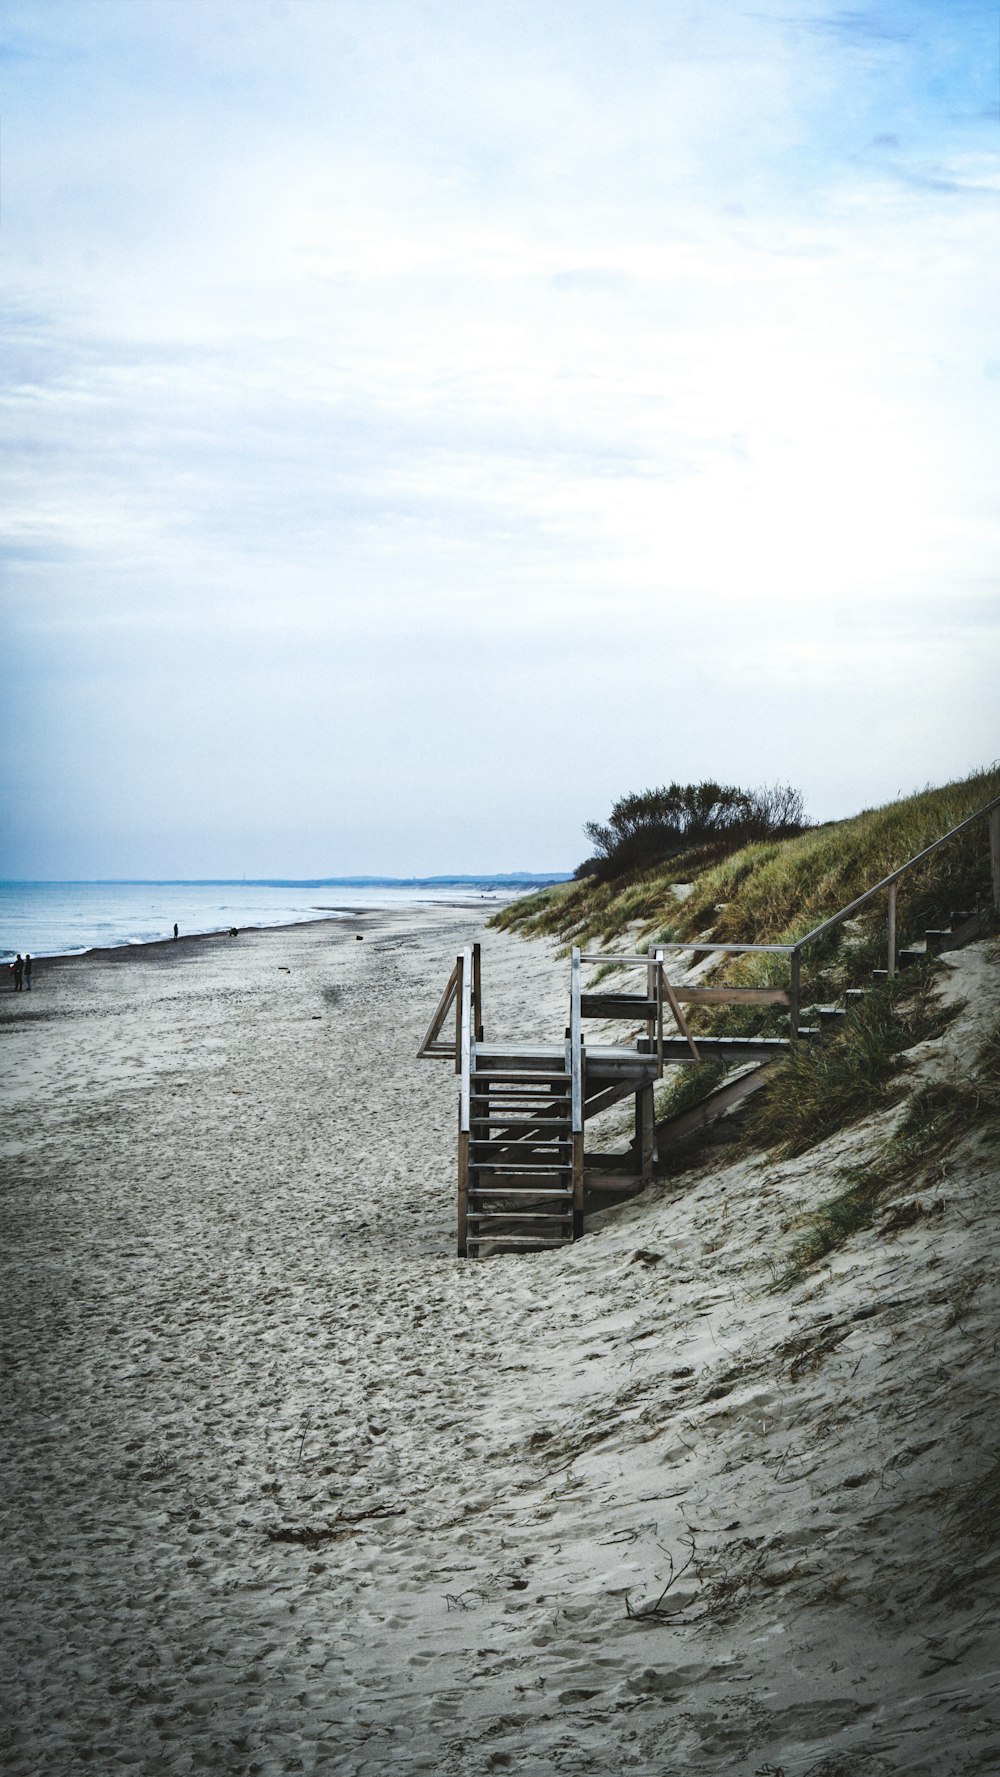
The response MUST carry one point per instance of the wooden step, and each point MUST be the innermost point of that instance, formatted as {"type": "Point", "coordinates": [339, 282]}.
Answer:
{"type": "Point", "coordinates": [518, 1095]}
{"type": "Point", "coordinates": [530, 1100]}
{"type": "Point", "coordinates": [557, 1195]}
{"type": "Point", "coordinates": [521, 1241]}
{"type": "Point", "coordinates": [830, 1016]}
{"type": "Point", "coordinates": [532, 1182]}
{"type": "Point", "coordinates": [515, 1154]}
{"type": "Point", "coordinates": [907, 958]}
{"type": "Point", "coordinates": [855, 995]}
{"type": "Point", "coordinates": [507, 1122]}
{"type": "Point", "coordinates": [519, 1215]}
{"type": "Point", "coordinates": [530, 1165]}
{"type": "Point", "coordinates": [520, 1077]}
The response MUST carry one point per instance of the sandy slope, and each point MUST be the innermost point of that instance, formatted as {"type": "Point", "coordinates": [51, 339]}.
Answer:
{"type": "Point", "coordinates": [231, 1307]}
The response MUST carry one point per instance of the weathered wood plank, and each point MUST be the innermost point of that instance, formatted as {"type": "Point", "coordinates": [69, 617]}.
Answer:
{"type": "Point", "coordinates": [731, 996]}
{"type": "Point", "coordinates": [578, 1184]}
{"type": "Point", "coordinates": [463, 1193]}
{"type": "Point", "coordinates": [576, 1043]}
{"type": "Point", "coordinates": [477, 991]}
{"type": "Point", "coordinates": [679, 1018]}
{"type": "Point", "coordinates": [618, 1005]}
{"type": "Point", "coordinates": [645, 1136]}
{"type": "Point", "coordinates": [676, 1129]}
{"type": "Point", "coordinates": [465, 1042]}
{"type": "Point", "coordinates": [430, 1044]}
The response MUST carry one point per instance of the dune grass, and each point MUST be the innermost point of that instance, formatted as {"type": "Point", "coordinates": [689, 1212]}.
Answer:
{"type": "Point", "coordinates": [776, 891]}
{"type": "Point", "coordinates": [939, 1114]}
{"type": "Point", "coordinates": [822, 1087]}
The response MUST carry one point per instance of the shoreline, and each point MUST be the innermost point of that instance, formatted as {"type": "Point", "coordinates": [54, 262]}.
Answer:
{"type": "Point", "coordinates": [332, 916]}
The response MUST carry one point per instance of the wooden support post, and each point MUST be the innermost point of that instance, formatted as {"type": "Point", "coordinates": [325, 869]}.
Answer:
{"type": "Point", "coordinates": [995, 856]}
{"type": "Point", "coordinates": [459, 995]}
{"type": "Point", "coordinates": [464, 1044]}
{"type": "Point", "coordinates": [645, 1131]}
{"type": "Point", "coordinates": [652, 990]}
{"type": "Point", "coordinates": [890, 941]}
{"type": "Point", "coordinates": [576, 1067]}
{"type": "Point", "coordinates": [463, 1192]}
{"type": "Point", "coordinates": [794, 990]}
{"type": "Point", "coordinates": [477, 991]}
{"type": "Point", "coordinates": [577, 1184]}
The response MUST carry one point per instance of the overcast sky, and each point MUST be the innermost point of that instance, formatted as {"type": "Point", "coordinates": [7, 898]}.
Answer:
{"type": "Point", "coordinates": [423, 423]}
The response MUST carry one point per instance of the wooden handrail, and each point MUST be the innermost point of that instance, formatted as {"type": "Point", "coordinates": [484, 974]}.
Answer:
{"type": "Point", "coordinates": [989, 809]}
{"type": "Point", "coordinates": [588, 956]}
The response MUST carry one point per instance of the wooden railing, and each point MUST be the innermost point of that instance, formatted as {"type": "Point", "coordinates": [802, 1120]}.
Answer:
{"type": "Point", "coordinates": [464, 991]}
{"type": "Point", "coordinates": [720, 994]}
{"type": "Point", "coordinates": [464, 987]}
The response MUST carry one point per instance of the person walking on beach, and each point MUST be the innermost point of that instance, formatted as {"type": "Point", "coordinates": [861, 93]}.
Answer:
{"type": "Point", "coordinates": [27, 973]}
{"type": "Point", "coordinates": [175, 931]}
{"type": "Point", "coordinates": [18, 972]}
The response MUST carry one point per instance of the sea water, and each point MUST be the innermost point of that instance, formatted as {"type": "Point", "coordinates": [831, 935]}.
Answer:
{"type": "Point", "coordinates": [64, 918]}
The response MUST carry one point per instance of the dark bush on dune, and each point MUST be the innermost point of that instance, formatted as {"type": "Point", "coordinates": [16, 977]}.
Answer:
{"type": "Point", "coordinates": [655, 825]}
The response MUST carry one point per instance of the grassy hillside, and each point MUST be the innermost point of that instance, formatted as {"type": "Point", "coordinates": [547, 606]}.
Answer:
{"type": "Point", "coordinates": [773, 893]}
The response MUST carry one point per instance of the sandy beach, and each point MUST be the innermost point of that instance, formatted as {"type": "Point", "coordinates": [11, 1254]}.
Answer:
{"type": "Point", "coordinates": [288, 1487]}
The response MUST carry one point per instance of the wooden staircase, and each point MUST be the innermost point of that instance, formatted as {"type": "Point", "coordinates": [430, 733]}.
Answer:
{"type": "Point", "coordinates": [523, 1106]}
{"type": "Point", "coordinates": [519, 1173]}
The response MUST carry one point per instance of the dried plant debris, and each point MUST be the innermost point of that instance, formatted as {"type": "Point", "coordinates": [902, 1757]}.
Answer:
{"type": "Point", "coordinates": [310, 1536]}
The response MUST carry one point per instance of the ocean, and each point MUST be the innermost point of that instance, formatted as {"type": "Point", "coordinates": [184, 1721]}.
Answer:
{"type": "Point", "coordinates": [65, 918]}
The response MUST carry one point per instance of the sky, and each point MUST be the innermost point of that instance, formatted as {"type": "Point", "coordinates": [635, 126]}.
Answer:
{"type": "Point", "coordinates": [422, 423]}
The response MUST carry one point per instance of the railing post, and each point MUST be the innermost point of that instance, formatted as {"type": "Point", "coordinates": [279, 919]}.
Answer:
{"type": "Point", "coordinates": [477, 991]}
{"type": "Point", "coordinates": [995, 856]}
{"type": "Point", "coordinates": [794, 991]}
{"type": "Point", "coordinates": [466, 1039]}
{"type": "Point", "coordinates": [459, 982]}
{"type": "Point", "coordinates": [890, 943]}
{"type": "Point", "coordinates": [464, 1052]}
{"type": "Point", "coordinates": [576, 1090]}
{"type": "Point", "coordinates": [651, 991]}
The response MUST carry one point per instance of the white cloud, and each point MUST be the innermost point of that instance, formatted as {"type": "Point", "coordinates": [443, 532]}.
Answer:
{"type": "Point", "coordinates": [548, 343]}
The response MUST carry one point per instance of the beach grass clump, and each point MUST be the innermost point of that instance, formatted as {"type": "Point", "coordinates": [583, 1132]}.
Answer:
{"type": "Point", "coordinates": [939, 1114]}
{"type": "Point", "coordinates": [822, 1087]}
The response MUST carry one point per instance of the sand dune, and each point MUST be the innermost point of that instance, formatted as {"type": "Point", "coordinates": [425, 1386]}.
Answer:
{"type": "Point", "coordinates": [288, 1487]}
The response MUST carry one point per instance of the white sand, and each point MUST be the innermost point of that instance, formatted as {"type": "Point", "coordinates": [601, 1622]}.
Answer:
{"type": "Point", "coordinates": [231, 1305]}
